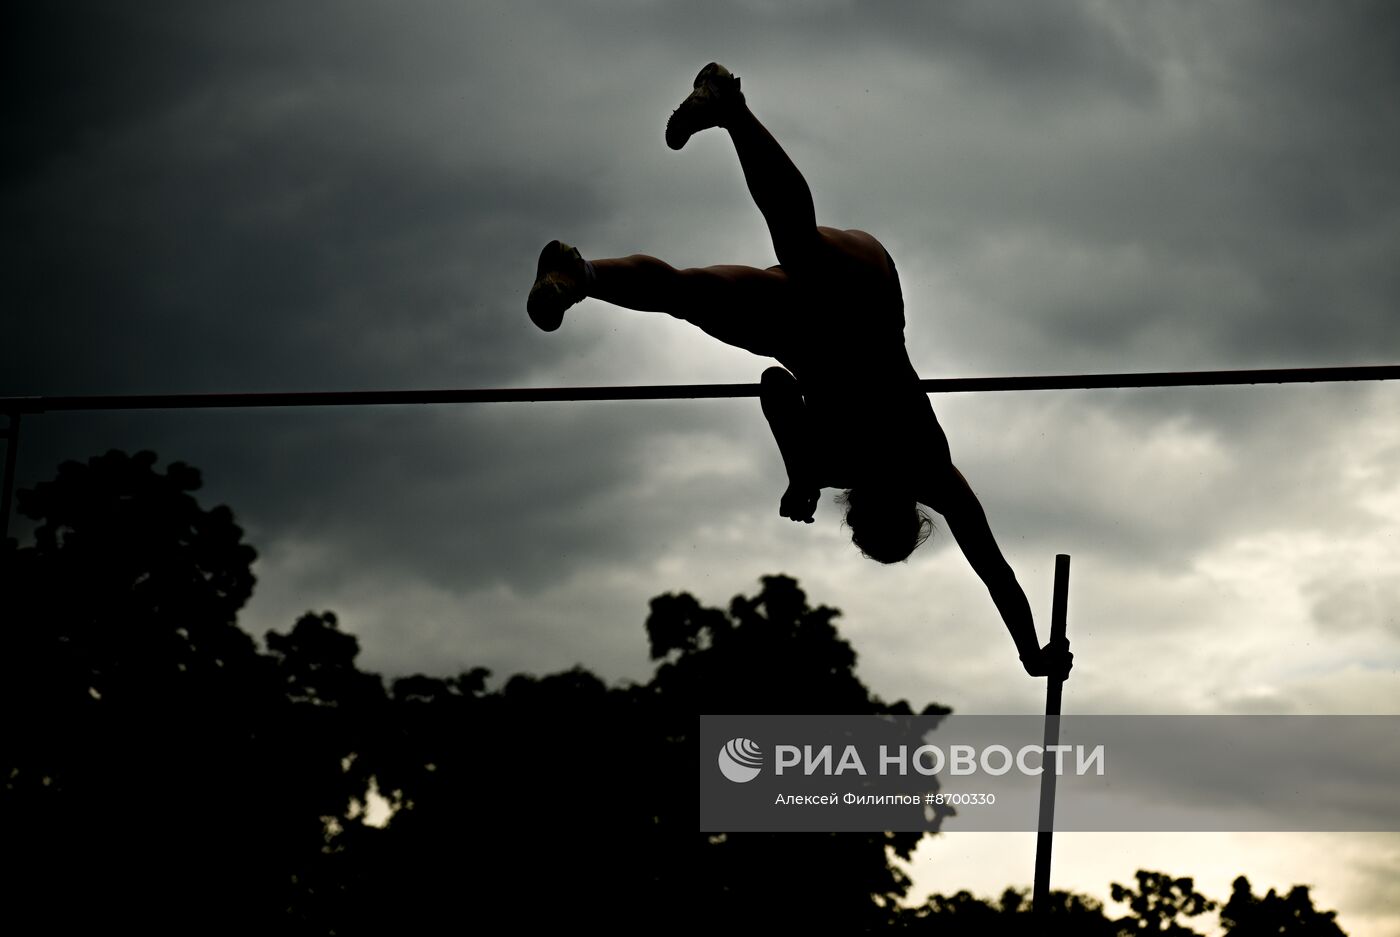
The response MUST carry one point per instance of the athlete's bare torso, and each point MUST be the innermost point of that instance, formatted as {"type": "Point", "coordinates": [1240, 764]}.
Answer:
{"type": "Point", "coordinates": [846, 348]}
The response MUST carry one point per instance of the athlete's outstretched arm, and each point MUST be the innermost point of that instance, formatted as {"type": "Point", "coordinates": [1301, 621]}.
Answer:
{"type": "Point", "coordinates": [968, 524]}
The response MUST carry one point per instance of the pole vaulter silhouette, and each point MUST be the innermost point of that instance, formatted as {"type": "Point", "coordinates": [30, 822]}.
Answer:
{"type": "Point", "coordinates": [845, 408]}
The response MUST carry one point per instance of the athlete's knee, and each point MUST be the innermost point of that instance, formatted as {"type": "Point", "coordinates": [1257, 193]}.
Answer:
{"type": "Point", "coordinates": [778, 394]}
{"type": "Point", "coordinates": [777, 380]}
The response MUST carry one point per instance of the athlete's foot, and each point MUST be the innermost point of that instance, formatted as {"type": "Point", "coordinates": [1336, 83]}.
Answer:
{"type": "Point", "coordinates": [560, 279]}
{"type": "Point", "coordinates": [715, 97]}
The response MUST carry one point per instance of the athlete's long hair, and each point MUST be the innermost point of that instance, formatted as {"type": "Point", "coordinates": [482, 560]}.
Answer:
{"type": "Point", "coordinates": [885, 526]}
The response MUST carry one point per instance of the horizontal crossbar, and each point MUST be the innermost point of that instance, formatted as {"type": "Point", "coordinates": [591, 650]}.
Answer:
{"type": "Point", "coordinates": [953, 385]}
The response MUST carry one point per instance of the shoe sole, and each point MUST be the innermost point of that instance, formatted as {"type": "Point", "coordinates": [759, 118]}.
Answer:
{"type": "Point", "coordinates": [552, 292]}
{"type": "Point", "coordinates": [699, 111]}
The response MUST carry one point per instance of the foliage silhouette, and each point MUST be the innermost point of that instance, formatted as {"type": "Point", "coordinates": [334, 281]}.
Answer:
{"type": "Point", "coordinates": [963, 915]}
{"type": "Point", "coordinates": [162, 771]}
{"type": "Point", "coordinates": [159, 770]}
{"type": "Point", "coordinates": [1159, 900]}
{"type": "Point", "coordinates": [587, 794]}
{"type": "Point", "coordinates": [1154, 905]}
{"type": "Point", "coordinates": [1246, 915]}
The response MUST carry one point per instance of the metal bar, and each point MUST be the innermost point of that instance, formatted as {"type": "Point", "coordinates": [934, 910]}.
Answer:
{"type": "Point", "coordinates": [955, 385]}
{"type": "Point", "coordinates": [7, 493]}
{"type": "Point", "coordinates": [1040, 899]}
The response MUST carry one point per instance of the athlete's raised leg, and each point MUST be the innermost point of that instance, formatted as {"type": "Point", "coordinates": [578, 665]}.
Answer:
{"type": "Point", "coordinates": [777, 187]}
{"type": "Point", "coordinates": [742, 306]}
{"type": "Point", "coordinates": [852, 258]}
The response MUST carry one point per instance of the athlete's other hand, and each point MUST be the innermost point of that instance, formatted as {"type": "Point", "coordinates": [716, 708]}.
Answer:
{"type": "Point", "coordinates": [799, 503]}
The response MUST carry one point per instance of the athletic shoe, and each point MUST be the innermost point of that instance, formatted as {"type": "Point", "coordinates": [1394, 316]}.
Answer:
{"type": "Point", "coordinates": [559, 283]}
{"type": "Point", "coordinates": [715, 96]}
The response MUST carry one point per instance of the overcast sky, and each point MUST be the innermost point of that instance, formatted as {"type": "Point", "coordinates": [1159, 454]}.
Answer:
{"type": "Point", "coordinates": [339, 196]}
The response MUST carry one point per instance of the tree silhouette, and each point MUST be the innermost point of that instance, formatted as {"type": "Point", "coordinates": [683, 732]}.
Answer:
{"type": "Point", "coordinates": [576, 803]}
{"type": "Point", "coordinates": [1245, 915]}
{"type": "Point", "coordinates": [158, 770]}
{"type": "Point", "coordinates": [769, 654]}
{"type": "Point", "coordinates": [963, 915]}
{"type": "Point", "coordinates": [1159, 900]}
{"type": "Point", "coordinates": [1154, 906]}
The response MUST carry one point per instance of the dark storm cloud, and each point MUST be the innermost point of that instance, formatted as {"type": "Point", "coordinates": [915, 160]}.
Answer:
{"type": "Point", "coordinates": [204, 199]}
{"type": "Point", "coordinates": [347, 273]}
{"type": "Point", "coordinates": [1033, 51]}
{"type": "Point", "coordinates": [336, 196]}
{"type": "Point", "coordinates": [265, 184]}
{"type": "Point", "coordinates": [521, 495]}
{"type": "Point", "coordinates": [1242, 208]}
{"type": "Point", "coordinates": [215, 202]}
{"type": "Point", "coordinates": [1356, 603]}
{"type": "Point", "coordinates": [79, 72]}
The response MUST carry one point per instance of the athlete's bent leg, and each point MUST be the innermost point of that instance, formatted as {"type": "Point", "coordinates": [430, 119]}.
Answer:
{"type": "Point", "coordinates": [787, 417]}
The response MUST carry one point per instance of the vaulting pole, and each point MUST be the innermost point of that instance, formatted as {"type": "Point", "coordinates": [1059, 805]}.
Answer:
{"type": "Point", "coordinates": [1040, 900]}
